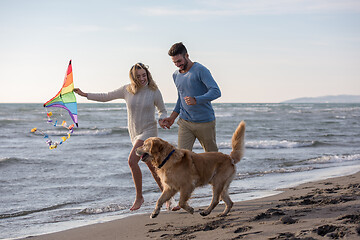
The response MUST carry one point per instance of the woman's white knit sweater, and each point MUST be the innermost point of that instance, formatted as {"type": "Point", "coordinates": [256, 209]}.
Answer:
{"type": "Point", "coordinates": [140, 109]}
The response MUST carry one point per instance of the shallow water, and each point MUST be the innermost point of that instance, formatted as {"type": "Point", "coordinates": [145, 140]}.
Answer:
{"type": "Point", "coordinates": [87, 179]}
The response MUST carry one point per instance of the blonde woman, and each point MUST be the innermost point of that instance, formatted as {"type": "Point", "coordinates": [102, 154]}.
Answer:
{"type": "Point", "coordinates": [141, 96]}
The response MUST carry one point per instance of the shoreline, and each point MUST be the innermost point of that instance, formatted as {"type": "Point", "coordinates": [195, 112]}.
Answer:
{"type": "Point", "coordinates": [324, 209]}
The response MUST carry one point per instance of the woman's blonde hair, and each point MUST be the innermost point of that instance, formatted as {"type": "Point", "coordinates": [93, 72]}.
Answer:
{"type": "Point", "coordinates": [134, 82]}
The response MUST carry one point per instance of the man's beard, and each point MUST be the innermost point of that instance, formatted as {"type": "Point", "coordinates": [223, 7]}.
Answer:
{"type": "Point", "coordinates": [185, 65]}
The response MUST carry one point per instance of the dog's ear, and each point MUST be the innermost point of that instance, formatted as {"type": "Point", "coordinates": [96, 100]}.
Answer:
{"type": "Point", "coordinates": [151, 150]}
{"type": "Point", "coordinates": [156, 146]}
{"type": "Point", "coordinates": [160, 145]}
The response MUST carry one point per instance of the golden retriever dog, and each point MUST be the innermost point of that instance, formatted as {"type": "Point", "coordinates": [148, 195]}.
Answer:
{"type": "Point", "coordinates": [182, 170]}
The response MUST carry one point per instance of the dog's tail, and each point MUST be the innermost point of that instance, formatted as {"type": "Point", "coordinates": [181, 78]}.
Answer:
{"type": "Point", "coordinates": [237, 142]}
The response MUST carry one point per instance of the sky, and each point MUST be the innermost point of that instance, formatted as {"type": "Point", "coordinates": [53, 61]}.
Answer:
{"type": "Point", "coordinates": [258, 51]}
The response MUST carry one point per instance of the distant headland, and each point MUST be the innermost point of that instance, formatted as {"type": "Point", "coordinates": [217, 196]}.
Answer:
{"type": "Point", "coordinates": [327, 99]}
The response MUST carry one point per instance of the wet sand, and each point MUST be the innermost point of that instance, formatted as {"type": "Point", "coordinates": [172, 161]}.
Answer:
{"type": "Point", "coordinates": [327, 209]}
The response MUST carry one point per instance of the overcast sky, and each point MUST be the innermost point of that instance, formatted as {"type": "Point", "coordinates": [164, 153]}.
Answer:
{"type": "Point", "coordinates": [257, 50]}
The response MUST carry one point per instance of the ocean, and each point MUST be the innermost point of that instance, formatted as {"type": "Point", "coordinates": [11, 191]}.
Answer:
{"type": "Point", "coordinates": [87, 179]}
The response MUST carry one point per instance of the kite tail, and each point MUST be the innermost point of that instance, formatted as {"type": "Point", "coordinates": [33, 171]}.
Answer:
{"type": "Point", "coordinates": [53, 144]}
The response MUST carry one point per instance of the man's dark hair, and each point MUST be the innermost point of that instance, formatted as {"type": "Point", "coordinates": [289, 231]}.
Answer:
{"type": "Point", "coordinates": [176, 49]}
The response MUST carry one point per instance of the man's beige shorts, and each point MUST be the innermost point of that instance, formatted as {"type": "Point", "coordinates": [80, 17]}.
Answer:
{"type": "Point", "coordinates": [204, 132]}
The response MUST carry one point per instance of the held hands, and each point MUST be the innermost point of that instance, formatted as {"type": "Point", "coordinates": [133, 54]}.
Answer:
{"type": "Point", "coordinates": [167, 122]}
{"type": "Point", "coordinates": [79, 92]}
{"type": "Point", "coordinates": [164, 123]}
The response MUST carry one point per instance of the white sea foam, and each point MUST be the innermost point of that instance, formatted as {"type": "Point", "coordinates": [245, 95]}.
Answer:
{"type": "Point", "coordinates": [9, 159]}
{"type": "Point", "coordinates": [264, 144]}
{"type": "Point", "coordinates": [110, 208]}
{"type": "Point", "coordinates": [276, 144]}
{"type": "Point", "coordinates": [277, 170]}
{"type": "Point", "coordinates": [4, 159]}
{"type": "Point", "coordinates": [224, 114]}
{"type": "Point", "coordinates": [334, 158]}
{"type": "Point", "coordinates": [94, 132]}
{"type": "Point", "coordinates": [289, 170]}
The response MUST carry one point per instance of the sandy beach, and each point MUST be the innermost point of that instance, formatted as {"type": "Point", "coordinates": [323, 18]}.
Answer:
{"type": "Point", "coordinates": [327, 209]}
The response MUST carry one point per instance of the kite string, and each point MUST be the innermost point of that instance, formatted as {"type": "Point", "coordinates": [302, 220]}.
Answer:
{"type": "Point", "coordinates": [53, 144]}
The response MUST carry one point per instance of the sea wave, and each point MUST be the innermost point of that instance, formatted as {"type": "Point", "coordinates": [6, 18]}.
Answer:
{"type": "Point", "coordinates": [334, 158]}
{"type": "Point", "coordinates": [268, 144]}
{"type": "Point", "coordinates": [10, 160]}
{"type": "Point", "coordinates": [10, 120]}
{"type": "Point", "coordinates": [99, 210]}
{"type": "Point", "coordinates": [27, 212]}
{"type": "Point", "coordinates": [104, 109]}
{"type": "Point", "coordinates": [221, 145]}
{"type": "Point", "coordinates": [277, 170]}
{"type": "Point", "coordinates": [101, 131]}
{"type": "Point", "coordinates": [224, 114]}
{"type": "Point", "coordinates": [85, 131]}
{"type": "Point", "coordinates": [276, 144]}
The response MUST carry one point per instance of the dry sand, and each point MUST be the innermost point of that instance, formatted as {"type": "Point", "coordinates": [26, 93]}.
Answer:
{"type": "Point", "coordinates": [327, 209]}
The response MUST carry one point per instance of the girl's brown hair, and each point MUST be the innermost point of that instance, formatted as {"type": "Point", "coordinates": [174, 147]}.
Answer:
{"type": "Point", "coordinates": [134, 82]}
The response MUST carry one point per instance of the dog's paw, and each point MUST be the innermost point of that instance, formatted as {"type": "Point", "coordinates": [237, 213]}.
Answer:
{"type": "Point", "coordinates": [191, 210]}
{"type": "Point", "coordinates": [204, 213]}
{"type": "Point", "coordinates": [154, 214]}
{"type": "Point", "coordinates": [222, 215]}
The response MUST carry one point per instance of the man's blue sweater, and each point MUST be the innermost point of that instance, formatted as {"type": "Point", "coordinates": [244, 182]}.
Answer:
{"type": "Point", "coordinates": [198, 83]}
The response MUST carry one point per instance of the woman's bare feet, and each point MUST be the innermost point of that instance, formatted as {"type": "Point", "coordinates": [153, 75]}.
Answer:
{"type": "Point", "coordinates": [171, 205]}
{"type": "Point", "coordinates": [176, 208]}
{"type": "Point", "coordinates": [137, 204]}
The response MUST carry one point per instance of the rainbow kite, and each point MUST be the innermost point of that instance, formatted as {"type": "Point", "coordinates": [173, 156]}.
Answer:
{"type": "Point", "coordinates": [66, 97]}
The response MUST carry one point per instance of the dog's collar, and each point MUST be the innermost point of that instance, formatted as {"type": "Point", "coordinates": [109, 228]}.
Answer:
{"type": "Point", "coordinates": [167, 158]}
